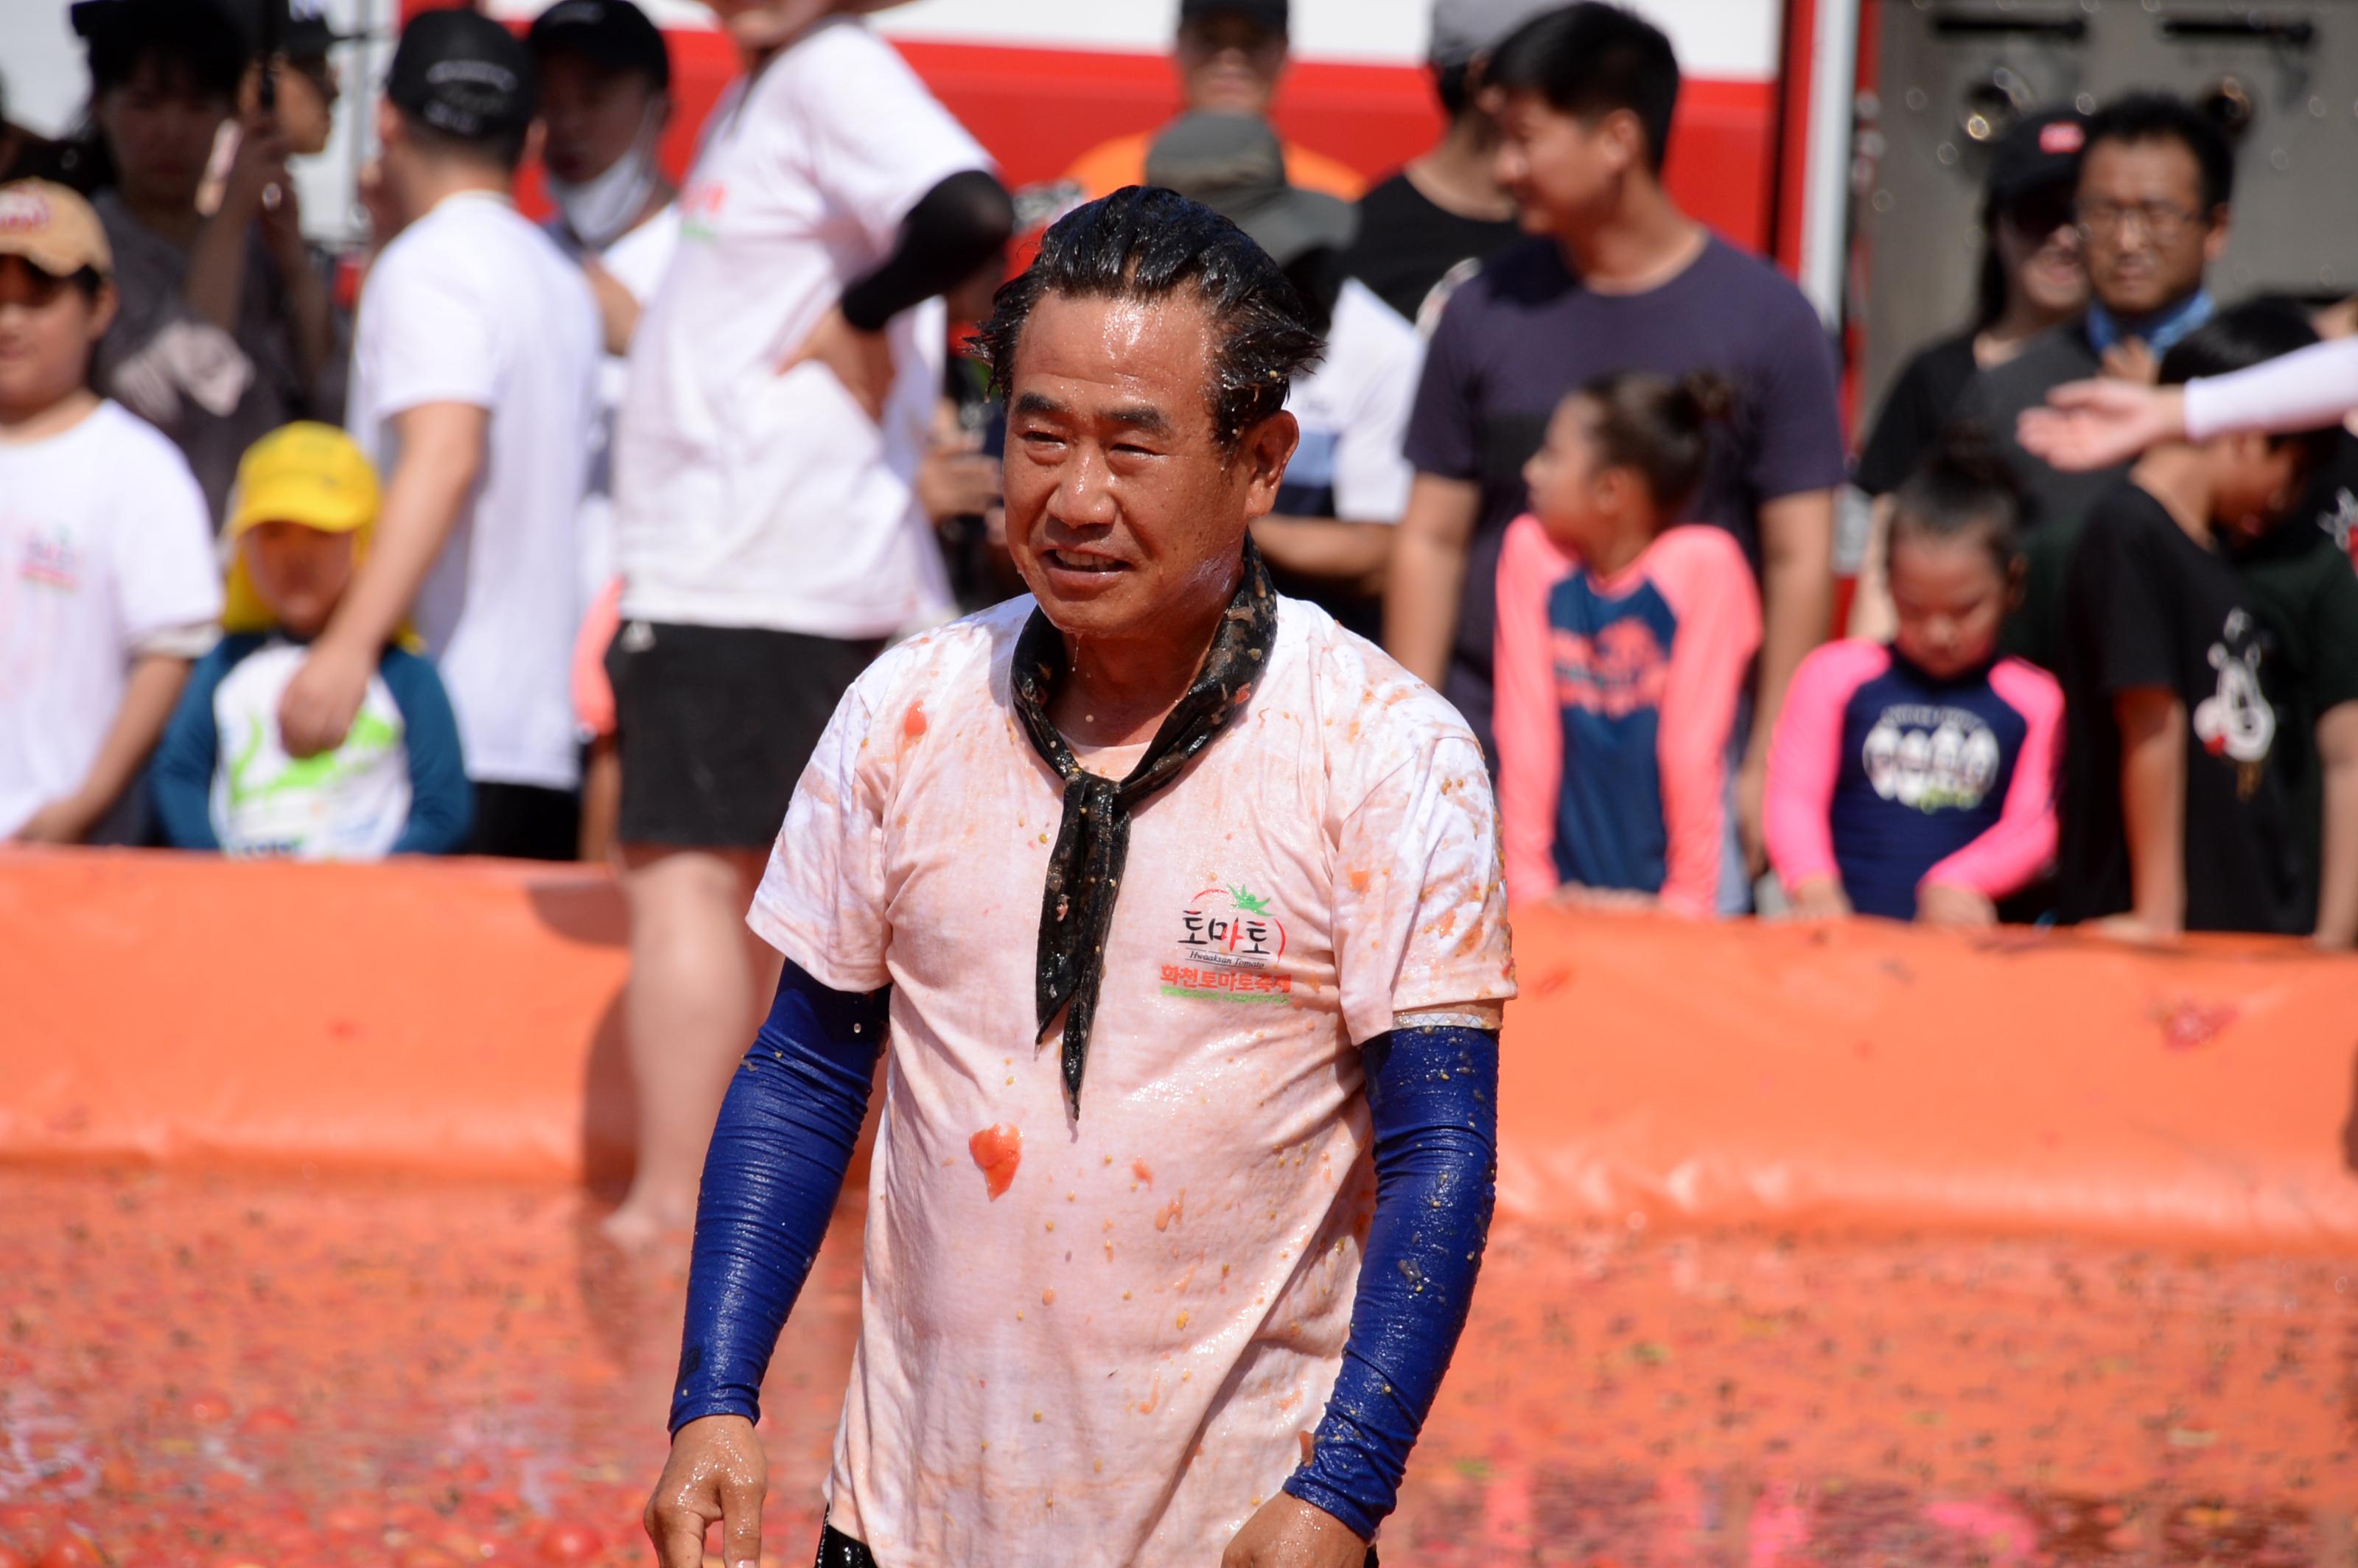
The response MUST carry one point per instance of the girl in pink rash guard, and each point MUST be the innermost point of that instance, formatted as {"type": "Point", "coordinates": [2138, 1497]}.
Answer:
{"type": "Point", "coordinates": [1916, 779]}
{"type": "Point", "coordinates": [1621, 652]}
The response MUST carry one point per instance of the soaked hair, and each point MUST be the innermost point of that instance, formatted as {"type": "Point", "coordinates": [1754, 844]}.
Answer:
{"type": "Point", "coordinates": [1146, 244]}
{"type": "Point", "coordinates": [1963, 489]}
{"type": "Point", "coordinates": [1590, 59]}
{"type": "Point", "coordinates": [1659, 428]}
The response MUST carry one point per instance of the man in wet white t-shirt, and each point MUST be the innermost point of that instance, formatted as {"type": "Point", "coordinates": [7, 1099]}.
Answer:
{"type": "Point", "coordinates": [1179, 909]}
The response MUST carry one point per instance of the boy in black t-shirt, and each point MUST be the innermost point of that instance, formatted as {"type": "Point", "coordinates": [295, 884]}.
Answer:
{"type": "Point", "coordinates": [2177, 815]}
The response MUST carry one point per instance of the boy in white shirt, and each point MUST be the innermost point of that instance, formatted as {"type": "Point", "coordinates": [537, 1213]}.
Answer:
{"type": "Point", "coordinates": [107, 583]}
{"type": "Point", "coordinates": [473, 390]}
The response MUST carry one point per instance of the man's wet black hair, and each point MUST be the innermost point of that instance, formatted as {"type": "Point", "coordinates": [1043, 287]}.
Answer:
{"type": "Point", "coordinates": [2163, 117]}
{"type": "Point", "coordinates": [1145, 242]}
{"type": "Point", "coordinates": [1591, 59]}
{"type": "Point", "coordinates": [2237, 339]}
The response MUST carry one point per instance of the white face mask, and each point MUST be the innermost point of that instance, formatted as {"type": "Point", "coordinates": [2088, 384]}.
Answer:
{"type": "Point", "coordinates": [603, 208]}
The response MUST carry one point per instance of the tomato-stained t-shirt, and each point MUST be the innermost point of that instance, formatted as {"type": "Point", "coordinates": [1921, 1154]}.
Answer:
{"type": "Point", "coordinates": [1107, 1340]}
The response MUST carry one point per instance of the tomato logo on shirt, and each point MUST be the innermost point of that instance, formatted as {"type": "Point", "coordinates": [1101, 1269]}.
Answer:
{"type": "Point", "coordinates": [1228, 938]}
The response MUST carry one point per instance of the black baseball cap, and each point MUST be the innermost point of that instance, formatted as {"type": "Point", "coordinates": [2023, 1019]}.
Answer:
{"type": "Point", "coordinates": [2039, 152]}
{"type": "Point", "coordinates": [612, 32]}
{"type": "Point", "coordinates": [1273, 15]}
{"type": "Point", "coordinates": [464, 75]}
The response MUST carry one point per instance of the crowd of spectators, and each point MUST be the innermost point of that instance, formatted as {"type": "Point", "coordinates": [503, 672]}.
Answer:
{"type": "Point", "coordinates": [630, 495]}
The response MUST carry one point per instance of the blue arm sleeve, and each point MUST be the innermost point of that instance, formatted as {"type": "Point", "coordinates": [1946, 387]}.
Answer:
{"type": "Point", "coordinates": [1433, 1095]}
{"type": "Point", "coordinates": [441, 801]}
{"type": "Point", "coordinates": [776, 1166]}
{"type": "Point", "coordinates": [180, 778]}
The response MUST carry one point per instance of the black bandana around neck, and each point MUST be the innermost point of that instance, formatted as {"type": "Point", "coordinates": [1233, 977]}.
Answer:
{"type": "Point", "coordinates": [1093, 840]}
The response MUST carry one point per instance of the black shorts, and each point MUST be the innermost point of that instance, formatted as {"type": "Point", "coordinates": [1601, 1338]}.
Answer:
{"type": "Point", "coordinates": [526, 822]}
{"type": "Point", "coordinates": [714, 725]}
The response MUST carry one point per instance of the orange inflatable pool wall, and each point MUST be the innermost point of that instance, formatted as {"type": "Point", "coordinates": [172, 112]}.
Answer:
{"type": "Point", "coordinates": [463, 1019]}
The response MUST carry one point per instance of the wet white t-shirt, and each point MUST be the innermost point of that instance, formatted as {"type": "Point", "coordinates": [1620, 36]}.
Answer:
{"type": "Point", "coordinates": [1103, 1341]}
{"type": "Point", "coordinates": [473, 304]}
{"type": "Point", "coordinates": [748, 498]}
{"type": "Point", "coordinates": [104, 541]}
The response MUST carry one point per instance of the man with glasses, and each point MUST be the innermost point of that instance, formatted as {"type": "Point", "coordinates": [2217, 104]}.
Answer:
{"type": "Point", "coordinates": [2155, 179]}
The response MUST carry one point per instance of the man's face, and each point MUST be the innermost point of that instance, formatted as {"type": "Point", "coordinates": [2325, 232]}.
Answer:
{"type": "Point", "coordinates": [593, 114]}
{"type": "Point", "coordinates": [1230, 64]}
{"type": "Point", "coordinates": [1123, 510]}
{"type": "Point", "coordinates": [2147, 235]}
{"type": "Point", "coordinates": [48, 328]}
{"type": "Point", "coordinates": [1559, 168]}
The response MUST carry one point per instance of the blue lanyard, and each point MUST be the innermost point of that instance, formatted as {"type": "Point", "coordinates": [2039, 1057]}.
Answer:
{"type": "Point", "coordinates": [2160, 332]}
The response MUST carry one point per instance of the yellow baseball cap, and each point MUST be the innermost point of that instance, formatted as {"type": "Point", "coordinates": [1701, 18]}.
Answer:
{"type": "Point", "coordinates": [304, 472]}
{"type": "Point", "coordinates": [54, 229]}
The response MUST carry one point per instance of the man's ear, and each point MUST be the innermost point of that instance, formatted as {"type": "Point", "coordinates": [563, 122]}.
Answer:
{"type": "Point", "coordinates": [1625, 140]}
{"type": "Point", "coordinates": [1263, 452]}
{"type": "Point", "coordinates": [2222, 223]}
{"type": "Point", "coordinates": [536, 142]}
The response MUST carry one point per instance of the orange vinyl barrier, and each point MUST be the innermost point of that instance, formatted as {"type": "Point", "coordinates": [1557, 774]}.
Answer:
{"type": "Point", "coordinates": [463, 1018]}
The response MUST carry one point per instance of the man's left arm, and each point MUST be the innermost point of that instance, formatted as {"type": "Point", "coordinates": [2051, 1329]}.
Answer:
{"type": "Point", "coordinates": [1797, 601]}
{"type": "Point", "coordinates": [1432, 1098]}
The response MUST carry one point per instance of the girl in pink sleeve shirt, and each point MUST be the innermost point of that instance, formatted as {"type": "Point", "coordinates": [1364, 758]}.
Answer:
{"type": "Point", "coordinates": [1623, 642]}
{"type": "Point", "coordinates": [1916, 779]}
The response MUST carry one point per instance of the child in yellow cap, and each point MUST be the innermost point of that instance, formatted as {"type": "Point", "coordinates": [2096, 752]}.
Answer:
{"type": "Point", "coordinates": [299, 524]}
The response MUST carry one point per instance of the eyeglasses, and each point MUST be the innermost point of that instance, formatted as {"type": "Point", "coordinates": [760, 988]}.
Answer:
{"type": "Point", "coordinates": [2164, 222]}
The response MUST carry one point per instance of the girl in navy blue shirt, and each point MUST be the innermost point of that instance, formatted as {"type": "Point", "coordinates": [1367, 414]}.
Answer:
{"type": "Point", "coordinates": [1915, 779]}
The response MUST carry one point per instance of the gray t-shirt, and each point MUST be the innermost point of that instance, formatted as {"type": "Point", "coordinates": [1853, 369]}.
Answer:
{"type": "Point", "coordinates": [1995, 396]}
{"type": "Point", "coordinates": [213, 393]}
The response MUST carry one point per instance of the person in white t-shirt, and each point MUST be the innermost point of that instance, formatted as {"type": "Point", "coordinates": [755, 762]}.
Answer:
{"type": "Point", "coordinates": [108, 587]}
{"type": "Point", "coordinates": [781, 396]}
{"type": "Point", "coordinates": [473, 389]}
{"type": "Point", "coordinates": [1330, 539]}
{"type": "Point", "coordinates": [605, 98]}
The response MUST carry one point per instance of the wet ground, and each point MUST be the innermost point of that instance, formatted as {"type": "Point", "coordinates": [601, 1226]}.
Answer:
{"type": "Point", "coordinates": [215, 1372]}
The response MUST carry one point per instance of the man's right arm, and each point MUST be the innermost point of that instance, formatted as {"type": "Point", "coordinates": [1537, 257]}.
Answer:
{"type": "Point", "coordinates": [1428, 574]}
{"type": "Point", "coordinates": [775, 1168]}
{"type": "Point", "coordinates": [442, 448]}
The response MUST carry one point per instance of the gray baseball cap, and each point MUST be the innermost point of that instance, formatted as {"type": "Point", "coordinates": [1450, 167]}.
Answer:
{"type": "Point", "coordinates": [1235, 164]}
{"type": "Point", "coordinates": [1464, 29]}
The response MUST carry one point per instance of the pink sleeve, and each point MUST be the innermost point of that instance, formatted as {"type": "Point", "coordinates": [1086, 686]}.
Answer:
{"type": "Point", "coordinates": [2019, 844]}
{"type": "Point", "coordinates": [1524, 722]}
{"type": "Point", "coordinates": [1702, 573]}
{"type": "Point", "coordinates": [1805, 758]}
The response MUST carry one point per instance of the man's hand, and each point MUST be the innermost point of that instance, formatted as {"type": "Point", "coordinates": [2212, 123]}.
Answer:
{"type": "Point", "coordinates": [1819, 898]}
{"type": "Point", "coordinates": [2096, 424]}
{"type": "Point", "coordinates": [717, 1475]}
{"type": "Point", "coordinates": [862, 361]}
{"type": "Point", "coordinates": [66, 820]}
{"type": "Point", "coordinates": [1954, 908]}
{"type": "Point", "coordinates": [955, 480]}
{"type": "Point", "coordinates": [1286, 1532]}
{"type": "Point", "coordinates": [2131, 360]}
{"type": "Point", "coordinates": [317, 709]}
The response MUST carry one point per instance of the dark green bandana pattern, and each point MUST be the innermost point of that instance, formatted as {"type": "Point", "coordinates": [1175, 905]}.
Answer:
{"type": "Point", "coordinates": [1093, 840]}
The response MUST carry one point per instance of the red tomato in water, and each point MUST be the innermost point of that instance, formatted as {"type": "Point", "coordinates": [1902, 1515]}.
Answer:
{"type": "Point", "coordinates": [571, 1541]}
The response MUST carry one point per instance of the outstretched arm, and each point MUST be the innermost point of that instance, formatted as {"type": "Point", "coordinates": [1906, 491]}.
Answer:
{"type": "Point", "coordinates": [776, 1166]}
{"type": "Point", "coordinates": [1433, 1095]}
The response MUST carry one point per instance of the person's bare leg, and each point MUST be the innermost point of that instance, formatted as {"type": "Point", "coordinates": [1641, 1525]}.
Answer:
{"type": "Point", "coordinates": [692, 1006]}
